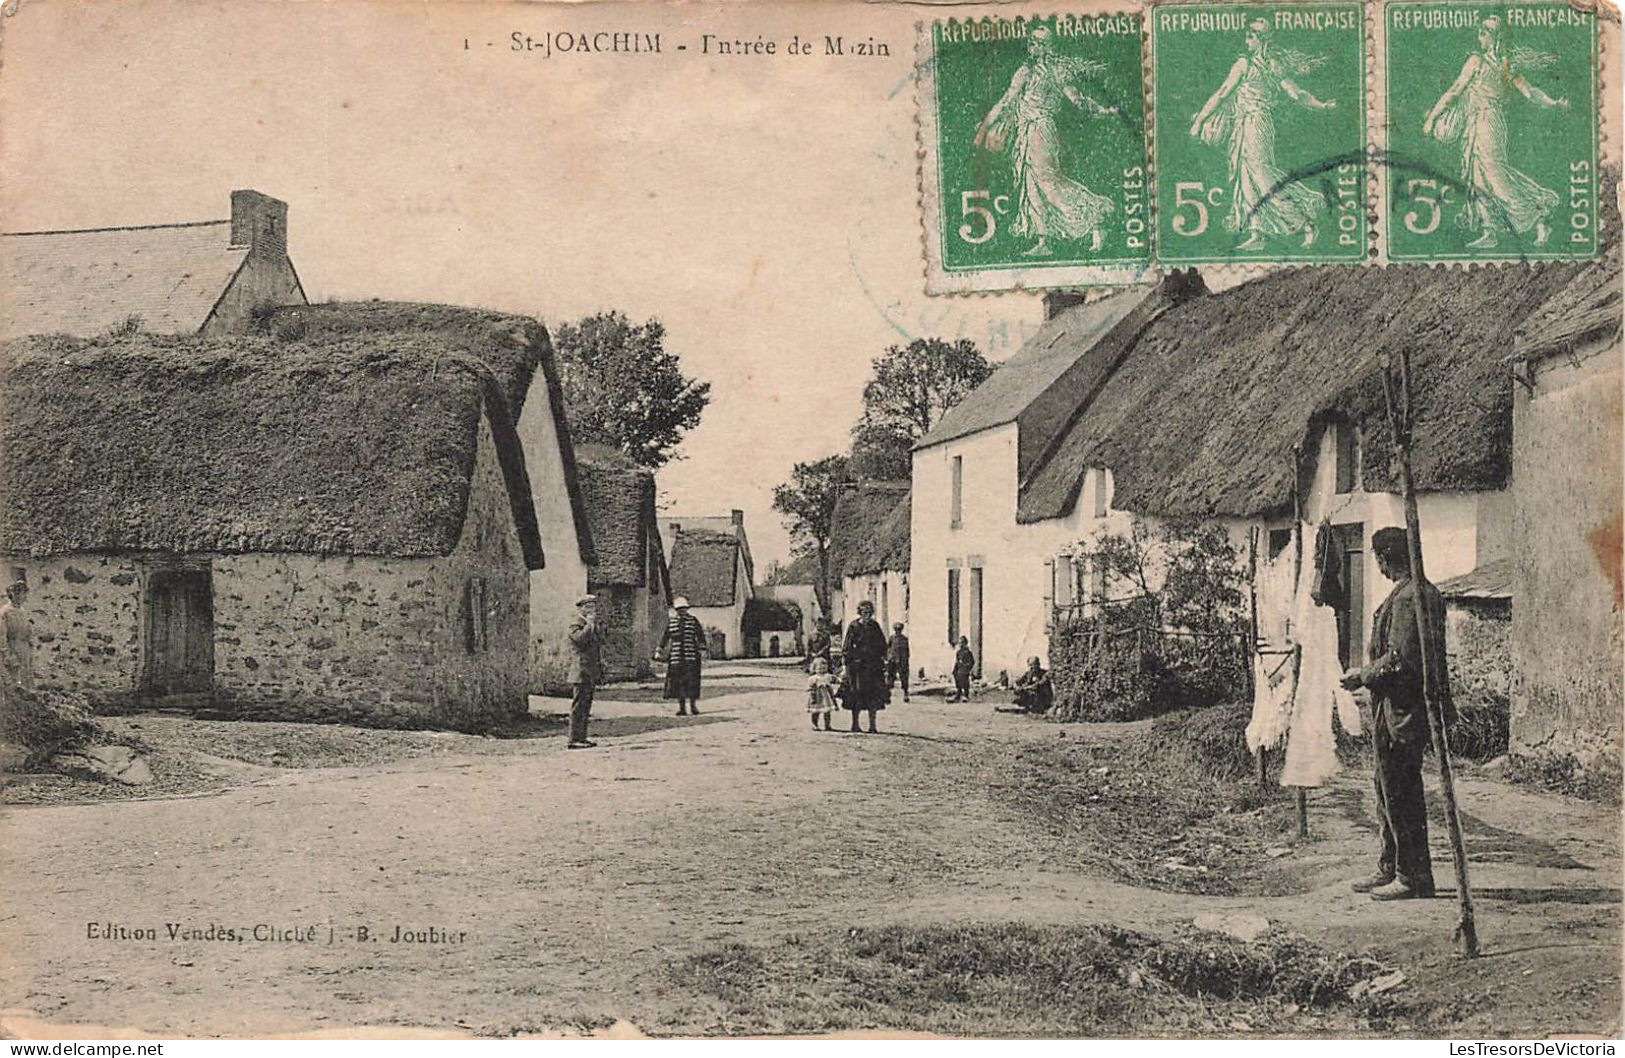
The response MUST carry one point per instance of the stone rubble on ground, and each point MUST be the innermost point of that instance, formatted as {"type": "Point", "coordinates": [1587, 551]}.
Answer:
{"type": "Point", "coordinates": [118, 763]}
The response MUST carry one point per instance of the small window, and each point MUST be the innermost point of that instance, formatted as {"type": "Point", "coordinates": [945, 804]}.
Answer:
{"type": "Point", "coordinates": [1099, 477]}
{"type": "Point", "coordinates": [1061, 586]}
{"type": "Point", "coordinates": [957, 502]}
{"type": "Point", "coordinates": [1280, 540]}
{"type": "Point", "coordinates": [953, 606]}
{"type": "Point", "coordinates": [1343, 436]}
{"type": "Point", "coordinates": [476, 616]}
{"type": "Point", "coordinates": [1097, 582]}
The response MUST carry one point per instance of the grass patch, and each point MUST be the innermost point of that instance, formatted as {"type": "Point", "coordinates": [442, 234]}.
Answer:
{"type": "Point", "coordinates": [1172, 807]}
{"type": "Point", "coordinates": [1016, 979]}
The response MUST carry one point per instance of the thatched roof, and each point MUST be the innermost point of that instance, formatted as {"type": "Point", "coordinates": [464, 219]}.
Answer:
{"type": "Point", "coordinates": [732, 524]}
{"type": "Point", "coordinates": [620, 501]}
{"type": "Point", "coordinates": [703, 566]}
{"type": "Point", "coordinates": [1587, 310]}
{"type": "Point", "coordinates": [1202, 417]}
{"type": "Point", "coordinates": [869, 531]}
{"type": "Point", "coordinates": [245, 444]}
{"type": "Point", "coordinates": [514, 347]}
{"type": "Point", "coordinates": [1035, 367]}
{"type": "Point", "coordinates": [169, 276]}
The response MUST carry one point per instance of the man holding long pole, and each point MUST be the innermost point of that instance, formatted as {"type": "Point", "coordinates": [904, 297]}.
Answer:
{"type": "Point", "coordinates": [1395, 677]}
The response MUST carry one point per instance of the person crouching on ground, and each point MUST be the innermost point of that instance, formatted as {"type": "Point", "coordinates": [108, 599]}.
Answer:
{"type": "Point", "coordinates": [864, 655]}
{"type": "Point", "coordinates": [586, 668]}
{"type": "Point", "coordinates": [682, 646]}
{"type": "Point", "coordinates": [1033, 690]}
{"type": "Point", "coordinates": [1400, 724]}
{"type": "Point", "coordinates": [897, 659]}
{"type": "Point", "coordinates": [820, 693]}
{"type": "Point", "coordinates": [964, 666]}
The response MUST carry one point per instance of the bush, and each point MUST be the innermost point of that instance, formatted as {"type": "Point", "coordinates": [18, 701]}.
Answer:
{"type": "Point", "coordinates": [41, 724]}
{"type": "Point", "coordinates": [1101, 673]}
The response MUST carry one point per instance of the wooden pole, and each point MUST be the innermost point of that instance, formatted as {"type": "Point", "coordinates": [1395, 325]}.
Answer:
{"type": "Point", "coordinates": [1297, 646]}
{"type": "Point", "coordinates": [1252, 641]}
{"type": "Point", "coordinates": [1399, 419]}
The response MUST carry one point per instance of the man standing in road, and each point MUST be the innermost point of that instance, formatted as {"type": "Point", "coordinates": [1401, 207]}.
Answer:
{"type": "Point", "coordinates": [586, 668]}
{"type": "Point", "coordinates": [897, 659]}
{"type": "Point", "coordinates": [864, 655]}
{"type": "Point", "coordinates": [1399, 712]}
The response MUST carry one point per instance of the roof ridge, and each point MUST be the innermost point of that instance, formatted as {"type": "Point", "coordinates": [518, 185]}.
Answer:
{"type": "Point", "coordinates": [116, 227]}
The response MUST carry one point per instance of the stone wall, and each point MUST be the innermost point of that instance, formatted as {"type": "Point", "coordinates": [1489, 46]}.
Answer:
{"type": "Point", "coordinates": [1478, 635]}
{"type": "Point", "coordinates": [370, 640]}
{"type": "Point", "coordinates": [1566, 622]}
{"type": "Point", "coordinates": [87, 621]}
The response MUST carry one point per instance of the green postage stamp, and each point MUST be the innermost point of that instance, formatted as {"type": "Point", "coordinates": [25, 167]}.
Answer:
{"type": "Point", "coordinates": [1260, 132]}
{"type": "Point", "coordinates": [1034, 152]}
{"type": "Point", "coordinates": [1491, 121]}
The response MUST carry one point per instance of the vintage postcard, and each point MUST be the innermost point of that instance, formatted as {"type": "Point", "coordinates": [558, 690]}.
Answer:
{"type": "Point", "coordinates": [511, 527]}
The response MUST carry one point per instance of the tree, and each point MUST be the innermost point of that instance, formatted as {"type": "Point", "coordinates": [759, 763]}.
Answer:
{"type": "Point", "coordinates": [807, 502]}
{"type": "Point", "coordinates": [623, 389]}
{"type": "Point", "coordinates": [911, 388]}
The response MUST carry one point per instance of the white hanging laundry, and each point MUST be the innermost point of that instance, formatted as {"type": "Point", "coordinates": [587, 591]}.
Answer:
{"type": "Point", "coordinates": [1272, 670]}
{"type": "Point", "coordinates": [1311, 748]}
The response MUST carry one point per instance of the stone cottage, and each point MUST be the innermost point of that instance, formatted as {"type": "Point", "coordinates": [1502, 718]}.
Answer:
{"type": "Point", "coordinates": [629, 576]}
{"type": "Point", "coordinates": [325, 528]}
{"type": "Point", "coordinates": [205, 277]}
{"type": "Point", "coordinates": [519, 354]}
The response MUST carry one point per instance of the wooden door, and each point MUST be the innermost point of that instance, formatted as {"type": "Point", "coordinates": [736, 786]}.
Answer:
{"type": "Point", "coordinates": [976, 617]}
{"type": "Point", "coordinates": [180, 632]}
{"type": "Point", "coordinates": [1350, 550]}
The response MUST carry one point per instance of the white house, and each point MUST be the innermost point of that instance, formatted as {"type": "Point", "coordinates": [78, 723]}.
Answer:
{"type": "Point", "coordinates": [974, 569]}
{"type": "Point", "coordinates": [711, 567]}
{"type": "Point", "coordinates": [1223, 407]}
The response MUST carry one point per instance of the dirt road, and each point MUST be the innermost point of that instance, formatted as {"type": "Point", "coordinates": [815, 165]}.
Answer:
{"type": "Point", "coordinates": [539, 889]}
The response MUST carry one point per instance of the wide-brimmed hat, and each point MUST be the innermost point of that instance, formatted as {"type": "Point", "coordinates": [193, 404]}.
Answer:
{"type": "Point", "coordinates": [680, 603]}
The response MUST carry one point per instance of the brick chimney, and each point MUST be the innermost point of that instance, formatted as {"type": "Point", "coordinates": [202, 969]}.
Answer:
{"type": "Point", "coordinates": [259, 222]}
{"type": "Point", "coordinates": [738, 519]}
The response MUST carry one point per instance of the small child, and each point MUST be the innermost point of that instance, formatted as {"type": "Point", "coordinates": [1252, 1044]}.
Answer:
{"type": "Point", "coordinates": [820, 693]}
{"type": "Point", "coordinates": [964, 665]}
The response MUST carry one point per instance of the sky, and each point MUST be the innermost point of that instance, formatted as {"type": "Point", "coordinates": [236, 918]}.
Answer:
{"type": "Point", "coordinates": [764, 208]}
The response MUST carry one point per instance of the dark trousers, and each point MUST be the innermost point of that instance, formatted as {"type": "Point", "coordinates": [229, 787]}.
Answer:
{"type": "Point", "coordinates": [897, 672]}
{"type": "Point", "coordinates": [962, 684]}
{"type": "Point", "coordinates": [580, 709]}
{"type": "Point", "coordinates": [1402, 809]}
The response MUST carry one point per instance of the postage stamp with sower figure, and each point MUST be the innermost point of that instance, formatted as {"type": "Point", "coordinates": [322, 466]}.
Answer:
{"type": "Point", "coordinates": [1035, 173]}
{"type": "Point", "coordinates": [1491, 131]}
{"type": "Point", "coordinates": [1260, 132]}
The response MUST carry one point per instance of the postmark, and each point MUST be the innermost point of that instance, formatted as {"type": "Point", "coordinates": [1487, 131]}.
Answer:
{"type": "Point", "coordinates": [1034, 168]}
{"type": "Point", "coordinates": [1491, 132]}
{"type": "Point", "coordinates": [1260, 132]}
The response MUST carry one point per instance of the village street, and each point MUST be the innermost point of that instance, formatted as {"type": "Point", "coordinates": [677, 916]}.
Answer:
{"type": "Point", "coordinates": [581, 884]}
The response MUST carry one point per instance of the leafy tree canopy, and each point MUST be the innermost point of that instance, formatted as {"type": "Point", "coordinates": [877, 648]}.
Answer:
{"type": "Point", "coordinates": [622, 388]}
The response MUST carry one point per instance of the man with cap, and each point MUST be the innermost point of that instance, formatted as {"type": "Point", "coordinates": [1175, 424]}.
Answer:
{"type": "Point", "coordinates": [897, 659]}
{"type": "Point", "coordinates": [864, 656]}
{"type": "Point", "coordinates": [682, 647]}
{"type": "Point", "coordinates": [1400, 723]}
{"type": "Point", "coordinates": [586, 667]}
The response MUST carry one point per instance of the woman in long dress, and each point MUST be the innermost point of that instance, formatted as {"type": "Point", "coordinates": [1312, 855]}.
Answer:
{"type": "Point", "coordinates": [1241, 116]}
{"type": "Point", "coordinates": [1500, 198]}
{"type": "Point", "coordinates": [1050, 204]}
{"type": "Point", "coordinates": [682, 647]}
